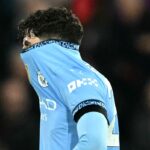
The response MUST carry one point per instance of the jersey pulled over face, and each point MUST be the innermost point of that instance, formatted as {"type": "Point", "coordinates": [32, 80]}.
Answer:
{"type": "Point", "coordinates": [65, 85]}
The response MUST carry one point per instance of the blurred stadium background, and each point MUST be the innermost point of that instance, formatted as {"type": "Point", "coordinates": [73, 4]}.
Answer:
{"type": "Point", "coordinates": [116, 42]}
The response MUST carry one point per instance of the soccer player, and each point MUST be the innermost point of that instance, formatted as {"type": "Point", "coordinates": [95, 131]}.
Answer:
{"type": "Point", "coordinates": [77, 106]}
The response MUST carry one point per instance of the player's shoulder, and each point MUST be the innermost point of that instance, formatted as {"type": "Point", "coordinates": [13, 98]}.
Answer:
{"type": "Point", "coordinates": [105, 80]}
{"type": "Point", "coordinates": [101, 77]}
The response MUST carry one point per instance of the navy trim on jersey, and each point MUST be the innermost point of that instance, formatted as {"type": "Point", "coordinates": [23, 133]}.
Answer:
{"type": "Point", "coordinates": [64, 44]}
{"type": "Point", "coordinates": [86, 106]}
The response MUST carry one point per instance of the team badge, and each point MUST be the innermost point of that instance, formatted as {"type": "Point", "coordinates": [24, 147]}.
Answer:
{"type": "Point", "coordinates": [41, 79]}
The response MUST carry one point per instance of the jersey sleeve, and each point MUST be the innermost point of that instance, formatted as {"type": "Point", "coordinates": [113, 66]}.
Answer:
{"type": "Point", "coordinates": [85, 95]}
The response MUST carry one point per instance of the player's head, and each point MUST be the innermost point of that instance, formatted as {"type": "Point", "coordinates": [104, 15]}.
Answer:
{"type": "Point", "coordinates": [53, 23]}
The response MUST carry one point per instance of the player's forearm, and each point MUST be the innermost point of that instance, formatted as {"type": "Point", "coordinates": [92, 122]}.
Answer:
{"type": "Point", "coordinates": [92, 132]}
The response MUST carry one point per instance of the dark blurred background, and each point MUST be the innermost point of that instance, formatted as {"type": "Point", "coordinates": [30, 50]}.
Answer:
{"type": "Point", "coordinates": [116, 42]}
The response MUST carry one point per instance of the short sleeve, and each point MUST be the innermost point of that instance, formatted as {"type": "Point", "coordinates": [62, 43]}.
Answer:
{"type": "Point", "coordinates": [85, 95]}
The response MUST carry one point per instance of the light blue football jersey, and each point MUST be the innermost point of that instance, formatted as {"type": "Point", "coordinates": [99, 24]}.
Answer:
{"type": "Point", "coordinates": [65, 84]}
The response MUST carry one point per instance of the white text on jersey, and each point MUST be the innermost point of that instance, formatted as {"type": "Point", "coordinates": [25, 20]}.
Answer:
{"type": "Point", "coordinates": [81, 82]}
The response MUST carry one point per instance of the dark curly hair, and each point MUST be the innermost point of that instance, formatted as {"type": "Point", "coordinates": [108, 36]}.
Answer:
{"type": "Point", "coordinates": [53, 21]}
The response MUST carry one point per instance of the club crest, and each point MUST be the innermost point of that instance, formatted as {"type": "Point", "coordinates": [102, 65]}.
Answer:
{"type": "Point", "coordinates": [41, 79]}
